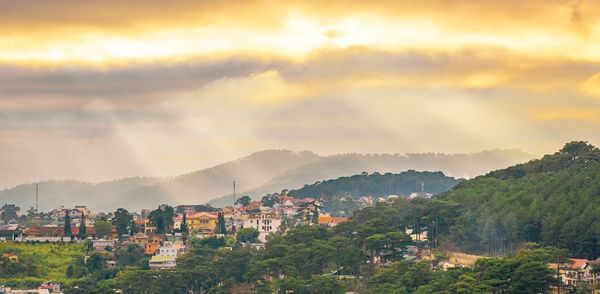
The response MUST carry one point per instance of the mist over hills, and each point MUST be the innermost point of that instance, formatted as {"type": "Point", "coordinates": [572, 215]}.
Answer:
{"type": "Point", "coordinates": [257, 174]}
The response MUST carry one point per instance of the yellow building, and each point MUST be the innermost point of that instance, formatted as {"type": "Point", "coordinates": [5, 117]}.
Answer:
{"type": "Point", "coordinates": [201, 222]}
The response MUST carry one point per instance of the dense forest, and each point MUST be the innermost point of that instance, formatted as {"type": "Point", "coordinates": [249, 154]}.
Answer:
{"type": "Point", "coordinates": [378, 185]}
{"type": "Point", "coordinates": [553, 201]}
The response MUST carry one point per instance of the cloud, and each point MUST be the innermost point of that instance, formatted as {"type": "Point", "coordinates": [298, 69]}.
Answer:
{"type": "Point", "coordinates": [160, 88]}
{"type": "Point", "coordinates": [139, 80]}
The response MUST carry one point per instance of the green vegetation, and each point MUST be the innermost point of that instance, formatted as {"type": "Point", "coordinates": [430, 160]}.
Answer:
{"type": "Point", "coordinates": [340, 196]}
{"type": "Point", "coordinates": [525, 272]}
{"type": "Point", "coordinates": [162, 217]}
{"type": "Point", "coordinates": [245, 235]}
{"type": "Point", "coordinates": [38, 263]}
{"type": "Point", "coordinates": [377, 185]}
{"type": "Point", "coordinates": [317, 259]}
{"type": "Point", "coordinates": [552, 201]}
{"type": "Point", "coordinates": [103, 228]}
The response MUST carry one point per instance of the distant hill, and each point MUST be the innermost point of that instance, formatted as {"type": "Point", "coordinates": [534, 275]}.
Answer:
{"type": "Point", "coordinates": [257, 174]}
{"type": "Point", "coordinates": [378, 185]}
{"type": "Point", "coordinates": [554, 201]}
{"type": "Point", "coordinates": [330, 167]}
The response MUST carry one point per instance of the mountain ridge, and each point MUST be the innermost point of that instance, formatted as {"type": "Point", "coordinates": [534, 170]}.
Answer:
{"type": "Point", "coordinates": [260, 172]}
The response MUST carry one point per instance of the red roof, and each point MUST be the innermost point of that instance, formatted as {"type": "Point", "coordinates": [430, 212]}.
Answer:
{"type": "Point", "coordinates": [88, 231]}
{"type": "Point", "coordinates": [577, 263]}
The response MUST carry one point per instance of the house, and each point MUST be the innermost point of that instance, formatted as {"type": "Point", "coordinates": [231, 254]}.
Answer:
{"type": "Point", "coordinates": [159, 262]}
{"type": "Point", "coordinates": [51, 286]}
{"type": "Point", "coordinates": [266, 221]}
{"type": "Point", "coordinates": [101, 244]}
{"type": "Point", "coordinates": [153, 244]}
{"type": "Point", "coordinates": [576, 272]}
{"type": "Point", "coordinates": [145, 226]}
{"type": "Point", "coordinates": [151, 248]}
{"type": "Point", "coordinates": [42, 234]}
{"type": "Point", "coordinates": [201, 222]}
{"type": "Point", "coordinates": [332, 221]}
{"type": "Point", "coordinates": [11, 257]}
{"type": "Point", "coordinates": [172, 248]}
{"type": "Point", "coordinates": [140, 239]}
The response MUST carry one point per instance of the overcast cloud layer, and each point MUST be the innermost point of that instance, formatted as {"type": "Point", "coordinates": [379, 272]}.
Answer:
{"type": "Point", "coordinates": [97, 90]}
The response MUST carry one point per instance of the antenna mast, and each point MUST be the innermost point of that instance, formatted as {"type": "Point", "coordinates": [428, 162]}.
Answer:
{"type": "Point", "coordinates": [37, 189]}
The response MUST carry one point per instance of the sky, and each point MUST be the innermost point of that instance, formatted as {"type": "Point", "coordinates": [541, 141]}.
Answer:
{"type": "Point", "coordinates": [98, 90]}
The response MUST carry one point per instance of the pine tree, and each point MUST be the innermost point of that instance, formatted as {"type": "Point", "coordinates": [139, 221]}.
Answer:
{"type": "Point", "coordinates": [221, 227]}
{"type": "Point", "coordinates": [82, 234]}
{"type": "Point", "coordinates": [67, 228]}
{"type": "Point", "coordinates": [184, 228]}
{"type": "Point", "coordinates": [132, 227]}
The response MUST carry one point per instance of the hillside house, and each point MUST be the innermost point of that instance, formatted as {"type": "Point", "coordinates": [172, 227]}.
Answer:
{"type": "Point", "coordinates": [11, 257]}
{"type": "Point", "coordinates": [201, 222]}
{"type": "Point", "coordinates": [160, 262]}
{"type": "Point", "coordinates": [266, 221]}
{"type": "Point", "coordinates": [576, 272]}
{"type": "Point", "coordinates": [331, 221]}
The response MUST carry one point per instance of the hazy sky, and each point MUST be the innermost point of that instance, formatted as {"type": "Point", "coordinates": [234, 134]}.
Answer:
{"type": "Point", "coordinates": [97, 90]}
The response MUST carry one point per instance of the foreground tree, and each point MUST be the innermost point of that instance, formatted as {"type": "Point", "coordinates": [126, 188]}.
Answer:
{"type": "Point", "coordinates": [103, 228]}
{"type": "Point", "coordinates": [245, 235]}
{"type": "Point", "coordinates": [122, 221]}
{"type": "Point", "coordinates": [162, 218]}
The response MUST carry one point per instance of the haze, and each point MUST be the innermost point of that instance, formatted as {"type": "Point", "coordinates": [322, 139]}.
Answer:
{"type": "Point", "coordinates": [97, 90]}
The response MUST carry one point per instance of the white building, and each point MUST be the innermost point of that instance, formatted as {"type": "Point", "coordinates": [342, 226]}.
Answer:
{"type": "Point", "coordinates": [100, 244]}
{"type": "Point", "coordinates": [266, 222]}
{"type": "Point", "coordinates": [172, 248]}
{"type": "Point", "coordinates": [159, 262]}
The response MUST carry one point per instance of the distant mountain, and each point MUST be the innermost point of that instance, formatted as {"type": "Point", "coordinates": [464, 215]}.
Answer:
{"type": "Point", "coordinates": [137, 193]}
{"type": "Point", "coordinates": [257, 174]}
{"type": "Point", "coordinates": [53, 194]}
{"type": "Point", "coordinates": [330, 167]}
{"type": "Point", "coordinates": [552, 201]}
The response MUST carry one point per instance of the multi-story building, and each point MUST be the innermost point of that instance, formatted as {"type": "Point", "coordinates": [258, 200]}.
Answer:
{"type": "Point", "coordinates": [159, 262]}
{"type": "Point", "coordinates": [266, 221]}
{"type": "Point", "coordinates": [201, 222]}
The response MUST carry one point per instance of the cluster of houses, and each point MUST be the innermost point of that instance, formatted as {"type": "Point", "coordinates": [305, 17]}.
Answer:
{"type": "Point", "coordinates": [165, 248]}
{"type": "Point", "coordinates": [44, 288]}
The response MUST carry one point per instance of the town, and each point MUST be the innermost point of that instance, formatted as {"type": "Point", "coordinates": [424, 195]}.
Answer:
{"type": "Point", "coordinates": [163, 235]}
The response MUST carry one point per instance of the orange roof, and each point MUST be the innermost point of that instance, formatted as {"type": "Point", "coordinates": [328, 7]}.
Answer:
{"type": "Point", "coordinates": [325, 219]}
{"type": "Point", "coordinates": [141, 221]}
{"type": "Point", "coordinates": [577, 263]}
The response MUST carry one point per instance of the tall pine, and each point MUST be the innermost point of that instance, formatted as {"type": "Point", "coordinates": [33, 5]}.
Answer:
{"type": "Point", "coordinates": [221, 227]}
{"type": "Point", "coordinates": [82, 234]}
{"type": "Point", "coordinates": [67, 229]}
{"type": "Point", "coordinates": [184, 228]}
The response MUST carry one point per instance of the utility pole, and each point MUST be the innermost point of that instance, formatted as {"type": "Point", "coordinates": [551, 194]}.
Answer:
{"type": "Point", "coordinates": [37, 190]}
{"type": "Point", "coordinates": [233, 194]}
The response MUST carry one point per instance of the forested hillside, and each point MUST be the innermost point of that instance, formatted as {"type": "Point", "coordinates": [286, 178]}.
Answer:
{"type": "Point", "coordinates": [552, 201]}
{"type": "Point", "coordinates": [377, 185]}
